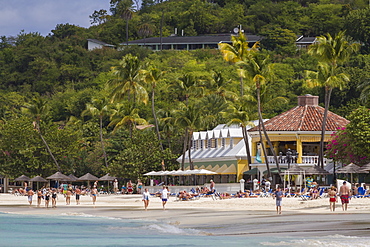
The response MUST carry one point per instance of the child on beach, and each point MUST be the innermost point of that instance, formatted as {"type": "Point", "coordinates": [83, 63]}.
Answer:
{"type": "Point", "coordinates": [332, 198]}
{"type": "Point", "coordinates": [39, 197]}
{"type": "Point", "coordinates": [279, 198]}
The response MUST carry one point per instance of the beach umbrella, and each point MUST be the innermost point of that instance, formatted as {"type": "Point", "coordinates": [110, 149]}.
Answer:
{"type": "Point", "coordinates": [38, 179]}
{"type": "Point", "coordinates": [108, 178]}
{"type": "Point", "coordinates": [73, 177]}
{"type": "Point", "coordinates": [294, 170]}
{"type": "Point", "coordinates": [316, 170]}
{"type": "Point", "coordinates": [58, 176]}
{"type": "Point", "coordinates": [366, 167]}
{"type": "Point", "coordinates": [22, 178]}
{"type": "Point", "coordinates": [152, 173]}
{"type": "Point", "coordinates": [88, 177]}
{"type": "Point", "coordinates": [351, 169]}
{"type": "Point", "coordinates": [205, 172]}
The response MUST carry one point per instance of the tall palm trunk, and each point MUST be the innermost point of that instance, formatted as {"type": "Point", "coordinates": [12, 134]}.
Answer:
{"type": "Point", "coordinates": [161, 29]}
{"type": "Point", "coordinates": [323, 127]}
{"type": "Point", "coordinates": [156, 122]}
{"type": "Point", "coordinates": [47, 146]}
{"type": "Point", "coordinates": [264, 151]}
{"type": "Point", "coordinates": [241, 86]}
{"type": "Point", "coordinates": [127, 31]}
{"type": "Point", "coordinates": [184, 149]}
{"type": "Point", "coordinates": [246, 141]}
{"type": "Point", "coordinates": [189, 149]}
{"type": "Point", "coordinates": [264, 130]}
{"type": "Point", "coordinates": [102, 141]}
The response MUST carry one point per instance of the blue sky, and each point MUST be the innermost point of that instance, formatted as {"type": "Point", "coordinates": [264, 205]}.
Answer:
{"type": "Point", "coordinates": [43, 15]}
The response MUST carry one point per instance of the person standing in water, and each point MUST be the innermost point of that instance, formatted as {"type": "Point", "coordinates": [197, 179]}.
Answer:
{"type": "Point", "coordinates": [146, 198]}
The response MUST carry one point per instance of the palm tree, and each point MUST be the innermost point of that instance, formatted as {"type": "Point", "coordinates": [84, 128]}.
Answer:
{"type": "Point", "coordinates": [187, 86]}
{"type": "Point", "coordinates": [365, 91]}
{"type": "Point", "coordinates": [99, 108]}
{"type": "Point", "coordinates": [258, 71]}
{"type": "Point", "coordinates": [126, 10]}
{"type": "Point", "coordinates": [218, 86]}
{"type": "Point", "coordinates": [331, 53]}
{"type": "Point", "coordinates": [152, 78]}
{"type": "Point", "coordinates": [146, 28]}
{"type": "Point", "coordinates": [237, 114]}
{"type": "Point", "coordinates": [125, 116]}
{"type": "Point", "coordinates": [189, 118]}
{"type": "Point", "coordinates": [127, 75]}
{"type": "Point", "coordinates": [37, 109]}
{"type": "Point", "coordinates": [236, 52]}
{"type": "Point", "coordinates": [329, 80]}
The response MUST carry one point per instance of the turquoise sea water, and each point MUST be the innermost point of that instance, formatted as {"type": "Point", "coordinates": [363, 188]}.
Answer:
{"type": "Point", "coordinates": [84, 230]}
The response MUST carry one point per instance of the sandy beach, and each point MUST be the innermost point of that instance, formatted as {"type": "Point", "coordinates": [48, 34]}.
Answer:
{"type": "Point", "coordinates": [236, 216]}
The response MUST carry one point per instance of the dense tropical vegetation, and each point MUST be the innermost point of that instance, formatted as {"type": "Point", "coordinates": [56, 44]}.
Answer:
{"type": "Point", "coordinates": [124, 111]}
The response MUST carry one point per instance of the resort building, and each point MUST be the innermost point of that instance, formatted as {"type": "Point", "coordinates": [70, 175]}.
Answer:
{"type": "Point", "coordinates": [295, 135]}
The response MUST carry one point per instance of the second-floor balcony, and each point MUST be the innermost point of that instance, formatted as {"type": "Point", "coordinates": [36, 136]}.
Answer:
{"type": "Point", "coordinates": [306, 160]}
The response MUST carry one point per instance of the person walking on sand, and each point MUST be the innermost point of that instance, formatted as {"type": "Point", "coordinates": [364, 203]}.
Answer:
{"type": "Point", "coordinates": [146, 198]}
{"type": "Point", "coordinates": [344, 194]}
{"type": "Point", "coordinates": [212, 187]}
{"type": "Point", "coordinates": [77, 193]}
{"type": "Point", "coordinates": [54, 197]}
{"type": "Point", "coordinates": [30, 194]}
{"type": "Point", "coordinates": [68, 196]}
{"type": "Point", "coordinates": [332, 198]}
{"type": "Point", "coordinates": [115, 186]}
{"type": "Point", "coordinates": [39, 197]}
{"type": "Point", "coordinates": [139, 186]}
{"type": "Point", "coordinates": [164, 196]}
{"type": "Point", "coordinates": [47, 198]}
{"type": "Point", "coordinates": [279, 199]}
{"type": "Point", "coordinates": [94, 194]}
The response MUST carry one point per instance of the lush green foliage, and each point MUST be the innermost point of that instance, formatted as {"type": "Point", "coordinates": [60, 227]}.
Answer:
{"type": "Point", "coordinates": [195, 90]}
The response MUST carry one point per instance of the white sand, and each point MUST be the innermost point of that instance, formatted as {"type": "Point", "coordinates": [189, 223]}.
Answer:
{"type": "Point", "coordinates": [235, 215]}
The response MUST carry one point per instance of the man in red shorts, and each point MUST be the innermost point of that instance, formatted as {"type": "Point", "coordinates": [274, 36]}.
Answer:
{"type": "Point", "coordinates": [344, 194]}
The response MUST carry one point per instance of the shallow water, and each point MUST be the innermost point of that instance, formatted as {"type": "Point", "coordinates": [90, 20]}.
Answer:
{"type": "Point", "coordinates": [86, 230]}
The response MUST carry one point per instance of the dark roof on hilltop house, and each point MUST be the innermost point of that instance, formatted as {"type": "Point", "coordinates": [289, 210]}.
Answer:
{"type": "Point", "coordinates": [307, 116]}
{"type": "Point", "coordinates": [211, 39]}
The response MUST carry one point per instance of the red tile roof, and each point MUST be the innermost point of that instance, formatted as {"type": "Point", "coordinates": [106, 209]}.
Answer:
{"type": "Point", "coordinates": [304, 118]}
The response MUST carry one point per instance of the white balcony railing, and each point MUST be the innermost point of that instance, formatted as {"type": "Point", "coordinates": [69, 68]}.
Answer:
{"type": "Point", "coordinates": [309, 160]}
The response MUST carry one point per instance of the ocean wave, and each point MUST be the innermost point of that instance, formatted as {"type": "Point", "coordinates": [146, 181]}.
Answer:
{"type": "Point", "coordinates": [173, 229]}
{"type": "Point", "coordinates": [327, 241]}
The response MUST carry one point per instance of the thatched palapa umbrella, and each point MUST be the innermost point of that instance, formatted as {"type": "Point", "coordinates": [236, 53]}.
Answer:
{"type": "Point", "coordinates": [351, 169]}
{"type": "Point", "coordinates": [108, 178]}
{"type": "Point", "coordinates": [88, 177]}
{"type": "Point", "coordinates": [38, 179]}
{"type": "Point", "coordinates": [22, 178]}
{"type": "Point", "coordinates": [58, 176]}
